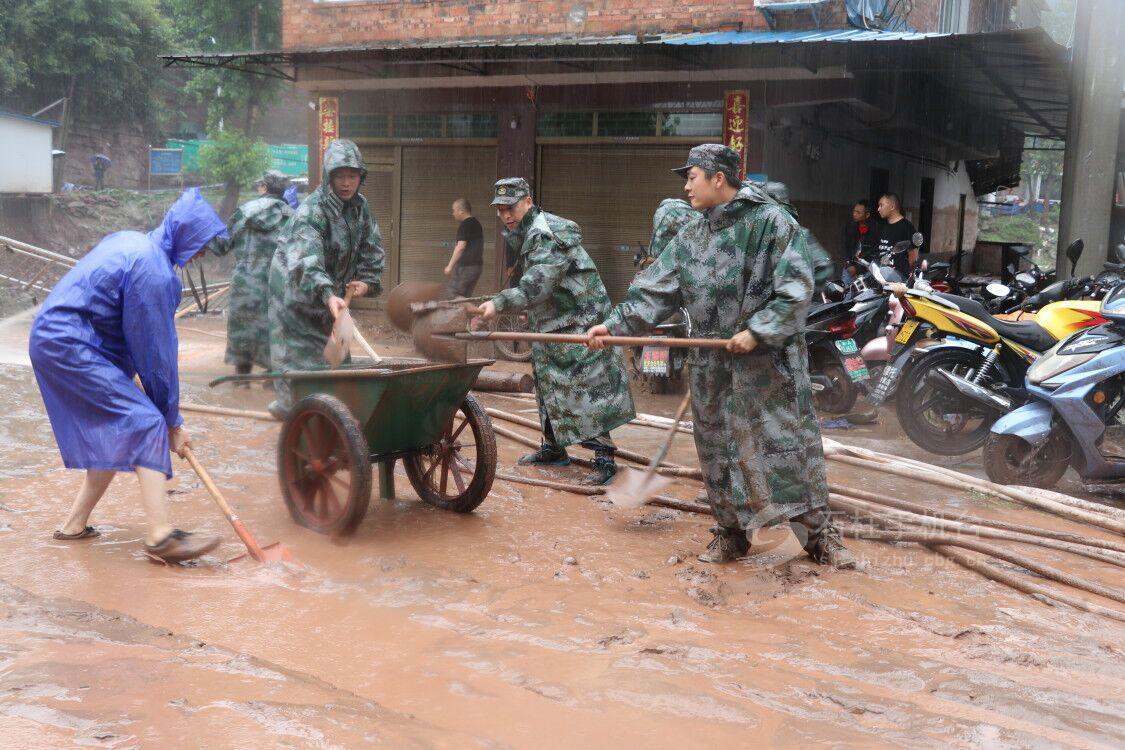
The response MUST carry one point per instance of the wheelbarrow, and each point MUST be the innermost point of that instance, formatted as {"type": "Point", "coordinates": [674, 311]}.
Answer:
{"type": "Point", "coordinates": [346, 419]}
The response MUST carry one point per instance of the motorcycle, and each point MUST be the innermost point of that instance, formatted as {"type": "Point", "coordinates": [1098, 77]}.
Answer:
{"type": "Point", "coordinates": [1073, 412]}
{"type": "Point", "coordinates": [845, 334]}
{"type": "Point", "coordinates": [658, 369]}
{"type": "Point", "coordinates": [958, 335]}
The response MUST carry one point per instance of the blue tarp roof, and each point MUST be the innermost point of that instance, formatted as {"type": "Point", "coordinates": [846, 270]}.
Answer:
{"type": "Point", "coordinates": [20, 116]}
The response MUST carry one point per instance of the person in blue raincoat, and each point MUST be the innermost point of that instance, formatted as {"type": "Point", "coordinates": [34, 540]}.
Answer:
{"type": "Point", "coordinates": [110, 318]}
{"type": "Point", "coordinates": [290, 196]}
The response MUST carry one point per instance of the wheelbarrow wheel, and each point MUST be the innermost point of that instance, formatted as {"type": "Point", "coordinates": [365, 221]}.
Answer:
{"type": "Point", "coordinates": [456, 473]}
{"type": "Point", "coordinates": [324, 466]}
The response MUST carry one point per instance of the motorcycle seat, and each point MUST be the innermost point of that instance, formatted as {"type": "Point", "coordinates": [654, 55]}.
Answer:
{"type": "Point", "coordinates": [1026, 333]}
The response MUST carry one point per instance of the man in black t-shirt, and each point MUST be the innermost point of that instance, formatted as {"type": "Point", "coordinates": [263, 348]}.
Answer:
{"type": "Point", "coordinates": [895, 228]}
{"type": "Point", "coordinates": [465, 265]}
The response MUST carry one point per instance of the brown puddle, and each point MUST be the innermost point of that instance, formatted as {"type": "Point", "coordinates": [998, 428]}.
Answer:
{"type": "Point", "coordinates": [429, 628]}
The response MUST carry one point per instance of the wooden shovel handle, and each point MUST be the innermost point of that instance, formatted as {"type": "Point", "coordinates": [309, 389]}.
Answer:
{"type": "Point", "coordinates": [244, 534]}
{"type": "Point", "coordinates": [578, 338]}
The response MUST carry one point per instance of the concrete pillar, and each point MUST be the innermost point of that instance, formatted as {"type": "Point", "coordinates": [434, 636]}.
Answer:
{"type": "Point", "coordinates": [1097, 73]}
{"type": "Point", "coordinates": [515, 152]}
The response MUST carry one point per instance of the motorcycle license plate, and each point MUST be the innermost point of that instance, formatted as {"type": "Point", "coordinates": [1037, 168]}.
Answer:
{"type": "Point", "coordinates": [854, 364]}
{"type": "Point", "coordinates": [655, 361]}
{"type": "Point", "coordinates": [907, 331]}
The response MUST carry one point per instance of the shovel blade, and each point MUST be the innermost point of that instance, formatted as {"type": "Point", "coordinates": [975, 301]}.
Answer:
{"type": "Point", "coordinates": [634, 488]}
{"type": "Point", "coordinates": [340, 340]}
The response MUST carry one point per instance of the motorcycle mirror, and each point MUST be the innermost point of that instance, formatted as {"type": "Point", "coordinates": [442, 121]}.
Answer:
{"type": "Point", "coordinates": [917, 239]}
{"type": "Point", "coordinates": [1074, 252]}
{"type": "Point", "coordinates": [998, 290]}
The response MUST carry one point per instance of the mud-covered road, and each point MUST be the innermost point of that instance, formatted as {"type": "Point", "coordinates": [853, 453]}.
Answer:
{"type": "Point", "coordinates": [542, 620]}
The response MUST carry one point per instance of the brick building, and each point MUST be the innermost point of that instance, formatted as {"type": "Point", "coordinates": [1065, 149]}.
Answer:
{"type": "Point", "coordinates": [595, 100]}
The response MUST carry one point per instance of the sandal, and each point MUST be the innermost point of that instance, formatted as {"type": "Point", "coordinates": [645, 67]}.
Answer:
{"type": "Point", "coordinates": [87, 533]}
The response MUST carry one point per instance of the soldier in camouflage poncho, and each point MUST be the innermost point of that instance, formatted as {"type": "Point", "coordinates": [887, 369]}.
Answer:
{"type": "Point", "coordinates": [582, 394]}
{"type": "Point", "coordinates": [254, 229]}
{"type": "Point", "coordinates": [743, 272]}
{"type": "Point", "coordinates": [331, 244]}
{"type": "Point", "coordinates": [672, 215]}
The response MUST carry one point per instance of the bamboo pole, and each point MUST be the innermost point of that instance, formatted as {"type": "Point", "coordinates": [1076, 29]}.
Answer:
{"type": "Point", "coordinates": [922, 510]}
{"type": "Point", "coordinates": [833, 448]}
{"type": "Point", "coordinates": [929, 539]}
{"type": "Point", "coordinates": [534, 425]}
{"type": "Point", "coordinates": [869, 510]}
{"type": "Point", "coordinates": [222, 411]}
{"type": "Point", "coordinates": [966, 482]}
{"type": "Point", "coordinates": [588, 491]}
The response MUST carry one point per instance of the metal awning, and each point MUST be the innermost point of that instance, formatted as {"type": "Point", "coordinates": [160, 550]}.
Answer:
{"type": "Point", "coordinates": [1020, 76]}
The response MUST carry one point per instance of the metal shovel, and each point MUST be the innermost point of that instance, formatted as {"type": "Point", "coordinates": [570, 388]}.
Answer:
{"type": "Point", "coordinates": [633, 488]}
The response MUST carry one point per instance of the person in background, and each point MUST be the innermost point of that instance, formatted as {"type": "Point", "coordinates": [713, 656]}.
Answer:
{"type": "Point", "coordinates": [101, 164]}
{"type": "Point", "coordinates": [290, 197]}
{"type": "Point", "coordinates": [465, 265]}
{"type": "Point", "coordinates": [110, 319]}
{"type": "Point", "coordinates": [857, 240]}
{"type": "Point", "coordinates": [896, 228]}
{"type": "Point", "coordinates": [254, 231]}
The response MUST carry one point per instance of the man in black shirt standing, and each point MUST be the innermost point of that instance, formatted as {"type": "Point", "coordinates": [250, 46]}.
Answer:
{"type": "Point", "coordinates": [465, 265]}
{"type": "Point", "coordinates": [896, 228]}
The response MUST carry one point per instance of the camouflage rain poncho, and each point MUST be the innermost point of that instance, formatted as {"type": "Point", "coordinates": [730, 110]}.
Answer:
{"type": "Point", "coordinates": [326, 244]}
{"type": "Point", "coordinates": [743, 265]}
{"type": "Point", "coordinates": [584, 393]}
{"type": "Point", "coordinates": [254, 230]}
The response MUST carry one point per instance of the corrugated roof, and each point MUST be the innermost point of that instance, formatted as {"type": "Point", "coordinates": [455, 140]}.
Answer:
{"type": "Point", "coordinates": [790, 37]}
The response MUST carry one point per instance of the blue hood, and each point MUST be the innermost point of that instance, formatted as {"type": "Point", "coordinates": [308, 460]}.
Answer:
{"type": "Point", "coordinates": [189, 225]}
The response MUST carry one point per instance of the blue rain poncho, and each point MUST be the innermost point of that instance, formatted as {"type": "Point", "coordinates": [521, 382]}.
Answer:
{"type": "Point", "coordinates": [113, 316]}
{"type": "Point", "coordinates": [290, 196]}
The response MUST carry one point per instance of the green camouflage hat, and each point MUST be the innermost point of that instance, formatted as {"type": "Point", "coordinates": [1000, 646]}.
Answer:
{"type": "Point", "coordinates": [510, 191]}
{"type": "Point", "coordinates": [714, 157]}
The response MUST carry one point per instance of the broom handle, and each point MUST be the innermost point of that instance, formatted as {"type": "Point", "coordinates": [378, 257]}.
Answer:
{"type": "Point", "coordinates": [578, 338]}
{"type": "Point", "coordinates": [251, 543]}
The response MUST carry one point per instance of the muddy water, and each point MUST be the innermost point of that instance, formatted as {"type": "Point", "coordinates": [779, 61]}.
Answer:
{"type": "Point", "coordinates": [436, 629]}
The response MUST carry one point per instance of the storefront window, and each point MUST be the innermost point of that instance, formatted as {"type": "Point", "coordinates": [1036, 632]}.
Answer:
{"type": "Point", "coordinates": [625, 124]}
{"type": "Point", "coordinates": [696, 124]}
{"type": "Point", "coordinates": [554, 124]}
{"type": "Point", "coordinates": [471, 126]}
{"type": "Point", "coordinates": [418, 126]}
{"type": "Point", "coordinates": [364, 126]}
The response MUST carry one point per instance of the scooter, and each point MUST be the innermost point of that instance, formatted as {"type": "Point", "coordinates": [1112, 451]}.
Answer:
{"type": "Point", "coordinates": [960, 336]}
{"type": "Point", "coordinates": [1073, 416]}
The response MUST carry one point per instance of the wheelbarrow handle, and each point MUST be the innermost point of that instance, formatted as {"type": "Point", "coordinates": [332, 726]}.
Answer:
{"type": "Point", "coordinates": [578, 338]}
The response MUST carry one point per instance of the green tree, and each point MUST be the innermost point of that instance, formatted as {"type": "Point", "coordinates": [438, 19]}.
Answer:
{"type": "Point", "coordinates": [233, 98]}
{"type": "Point", "coordinates": [101, 54]}
{"type": "Point", "coordinates": [234, 159]}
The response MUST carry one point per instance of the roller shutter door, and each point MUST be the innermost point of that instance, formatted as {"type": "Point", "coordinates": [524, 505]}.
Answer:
{"type": "Point", "coordinates": [611, 192]}
{"type": "Point", "coordinates": [432, 178]}
{"type": "Point", "coordinates": [379, 190]}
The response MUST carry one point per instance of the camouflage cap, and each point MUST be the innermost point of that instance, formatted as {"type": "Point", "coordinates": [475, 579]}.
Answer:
{"type": "Point", "coordinates": [509, 191]}
{"type": "Point", "coordinates": [274, 181]}
{"type": "Point", "coordinates": [714, 157]}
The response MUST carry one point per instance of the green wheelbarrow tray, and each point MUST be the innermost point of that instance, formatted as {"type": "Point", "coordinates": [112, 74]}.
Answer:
{"type": "Point", "coordinates": [400, 405]}
{"type": "Point", "coordinates": [346, 419]}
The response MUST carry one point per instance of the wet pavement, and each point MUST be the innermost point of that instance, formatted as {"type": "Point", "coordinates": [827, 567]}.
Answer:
{"type": "Point", "coordinates": [544, 619]}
